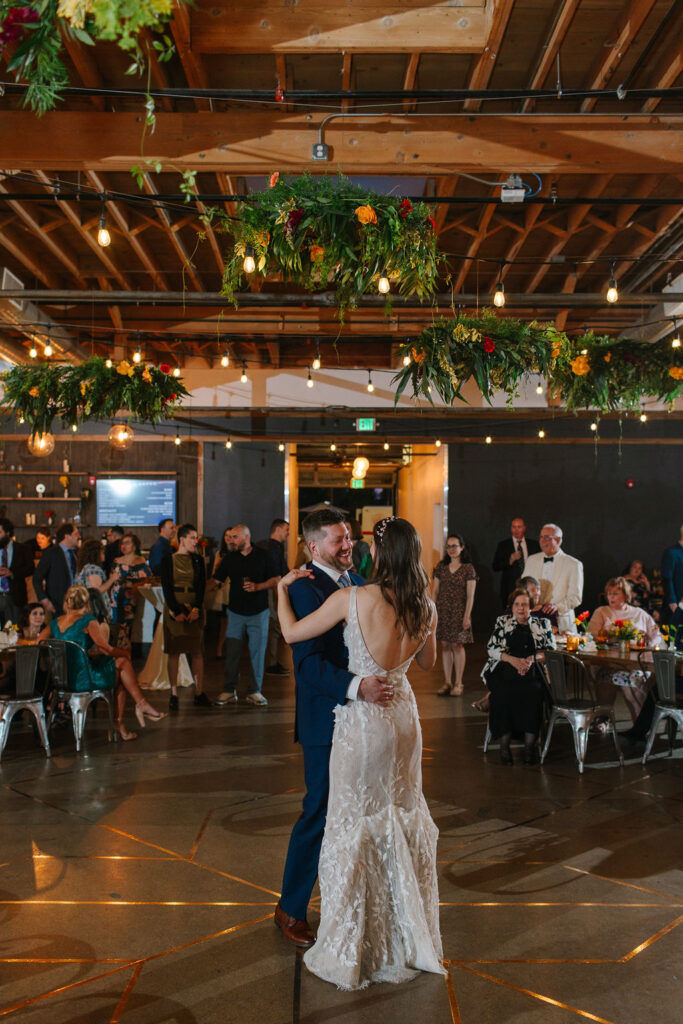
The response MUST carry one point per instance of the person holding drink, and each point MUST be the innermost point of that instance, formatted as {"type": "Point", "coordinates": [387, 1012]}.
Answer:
{"type": "Point", "coordinates": [247, 567]}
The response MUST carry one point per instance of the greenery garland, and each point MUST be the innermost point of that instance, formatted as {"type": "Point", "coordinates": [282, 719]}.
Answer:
{"type": "Point", "coordinates": [317, 232]}
{"type": "Point", "coordinates": [90, 391]}
{"type": "Point", "coordinates": [37, 27]}
{"type": "Point", "coordinates": [588, 372]}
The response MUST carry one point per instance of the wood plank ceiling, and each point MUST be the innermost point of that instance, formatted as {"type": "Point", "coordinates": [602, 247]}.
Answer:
{"type": "Point", "coordinates": [609, 168]}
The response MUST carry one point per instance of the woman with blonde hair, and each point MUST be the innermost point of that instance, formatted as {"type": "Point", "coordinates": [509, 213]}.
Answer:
{"type": "Point", "coordinates": [111, 669]}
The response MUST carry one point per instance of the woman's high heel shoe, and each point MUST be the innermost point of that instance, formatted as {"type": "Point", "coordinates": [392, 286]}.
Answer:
{"type": "Point", "coordinates": [141, 714]}
{"type": "Point", "coordinates": [123, 732]}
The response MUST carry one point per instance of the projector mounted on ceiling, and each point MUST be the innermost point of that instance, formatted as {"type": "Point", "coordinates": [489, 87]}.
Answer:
{"type": "Point", "coordinates": [513, 190]}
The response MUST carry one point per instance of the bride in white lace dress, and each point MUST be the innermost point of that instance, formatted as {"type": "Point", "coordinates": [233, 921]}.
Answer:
{"type": "Point", "coordinates": [379, 918]}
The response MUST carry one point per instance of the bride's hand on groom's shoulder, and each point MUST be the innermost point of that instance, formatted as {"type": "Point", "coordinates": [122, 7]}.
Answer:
{"type": "Point", "coordinates": [293, 576]}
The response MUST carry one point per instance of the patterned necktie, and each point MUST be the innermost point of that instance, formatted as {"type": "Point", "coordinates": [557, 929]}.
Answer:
{"type": "Point", "coordinates": [344, 580]}
{"type": "Point", "coordinates": [4, 580]}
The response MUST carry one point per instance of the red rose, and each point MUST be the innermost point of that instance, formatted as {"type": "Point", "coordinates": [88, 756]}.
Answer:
{"type": "Point", "coordinates": [173, 398]}
{"type": "Point", "coordinates": [405, 207]}
{"type": "Point", "coordinates": [430, 220]}
{"type": "Point", "coordinates": [165, 368]}
{"type": "Point", "coordinates": [488, 344]}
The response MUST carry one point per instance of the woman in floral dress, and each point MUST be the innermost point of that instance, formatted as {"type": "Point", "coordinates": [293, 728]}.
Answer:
{"type": "Point", "coordinates": [455, 581]}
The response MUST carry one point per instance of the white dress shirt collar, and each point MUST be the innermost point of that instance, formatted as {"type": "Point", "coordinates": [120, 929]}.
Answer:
{"type": "Point", "coordinates": [334, 574]}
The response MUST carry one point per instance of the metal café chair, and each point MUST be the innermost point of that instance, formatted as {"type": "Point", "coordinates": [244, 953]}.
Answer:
{"type": "Point", "coordinates": [67, 660]}
{"type": "Point", "coordinates": [666, 708]}
{"type": "Point", "coordinates": [576, 703]}
{"type": "Point", "coordinates": [26, 665]}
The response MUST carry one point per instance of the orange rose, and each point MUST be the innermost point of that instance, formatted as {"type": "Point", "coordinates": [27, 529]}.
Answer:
{"type": "Point", "coordinates": [125, 368]}
{"type": "Point", "coordinates": [608, 357]}
{"type": "Point", "coordinates": [366, 214]}
{"type": "Point", "coordinates": [273, 178]}
{"type": "Point", "coordinates": [557, 348]}
{"type": "Point", "coordinates": [146, 376]}
{"type": "Point", "coordinates": [676, 372]}
{"type": "Point", "coordinates": [317, 253]}
{"type": "Point", "coordinates": [418, 357]}
{"type": "Point", "coordinates": [580, 366]}
{"type": "Point", "coordinates": [34, 392]}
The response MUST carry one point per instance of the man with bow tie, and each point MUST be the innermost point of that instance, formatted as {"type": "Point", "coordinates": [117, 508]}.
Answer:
{"type": "Point", "coordinates": [323, 681]}
{"type": "Point", "coordinates": [561, 577]}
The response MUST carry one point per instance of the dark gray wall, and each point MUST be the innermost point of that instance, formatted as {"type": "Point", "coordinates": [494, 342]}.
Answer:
{"type": "Point", "coordinates": [243, 485]}
{"type": "Point", "coordinates": [605, 524]}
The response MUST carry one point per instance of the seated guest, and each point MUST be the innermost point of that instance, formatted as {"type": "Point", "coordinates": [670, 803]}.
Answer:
{"type": "Point", "coordinates": [640, 585]}
{"type": "Point", "coordinates": [538, 610]}
{"type": "Point", "coordinates": [32, 621]}
{"type": "Point", "coordinates": [111, 669]}
{"type": "Point", "coordinates": [89, 572]}
{"type": "Point", "coordinates": [513, 677]}
{"type": "Point", "coordinates": [618, 592]}
{"type": "Point", "coordinates": [132, 568]}
{"type": "Point", "coordinates": [161, 546]}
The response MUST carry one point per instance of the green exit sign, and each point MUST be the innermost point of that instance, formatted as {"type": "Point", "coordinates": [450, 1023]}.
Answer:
{"type": "Point", "coordinates": [356, 484]}
{"type": "Point", "coordinates": [365, 424]}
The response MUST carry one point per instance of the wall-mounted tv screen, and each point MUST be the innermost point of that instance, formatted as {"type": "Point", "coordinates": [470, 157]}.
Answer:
{"type": "Point", "coordinates": [125, 502]}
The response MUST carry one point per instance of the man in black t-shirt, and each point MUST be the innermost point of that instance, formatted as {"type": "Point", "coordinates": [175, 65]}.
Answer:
{"type": "Point", "coordinates": [275, 545]}
{"type": "Point", "coordinates": [250, 580]}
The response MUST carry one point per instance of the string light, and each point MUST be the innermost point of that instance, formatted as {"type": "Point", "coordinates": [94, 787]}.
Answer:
{"type": "Point", "coordinates": [280, 447]}
{"type": "Point", "coordinates": [406, 360]}
{"type": "Point", "coordinates": [594, 426]}
{"type": "Point", "coordinates": [47, 351]}
{"type": "Point", "coordinates": [225, 358]}
{"type": "Point", "coordinates": [103, 236]}
{"type": "Point", "coordinates": [676, 340]}
{"type": "Point", "coordinates": [499, 296]}
{"type": "Point", "coordinates": [178, 440]}
{"type": "Point", "coordinates": [371, 386]}
{"type": "Point", "coordinates": [383, 285]}
{"type": "Point", "coordinates": [176, 371]}
{"type": "Point", "coordinates": [249, 264]}
{"type": "Point", "coordinates": [333, 447]}
{"type": "Point", "coordinates": [244, 377]}
{"type": "Point", "coordinates": [74, 427]}
{"type": "Point", "coordinates": [643, 417]}
{"type": "Point", "coordinates": [309, 380]}
{"type": "Point", "coordinates": [612, 292]}
{"type": "Point", "coordinates": [539, 388]}
{"type": "Point", "coordinates": [541, 433]}
{"type": "Point", "coordinates": [488, 439]}
{"type": "Point", "coordinates": [316, 364]}
{"type": "Point", "coordinates": [137, 355]}
{"type": "Point", "coordinates": [437, 443]}
{"type": "Point", "coordinates": [386, 446]}
{"type": "Point", "coordinates": [108, 363]}
{"type": "Point", "coordinates": [228, 443]}
{"type": "Point", "coordinates": [33, 352]}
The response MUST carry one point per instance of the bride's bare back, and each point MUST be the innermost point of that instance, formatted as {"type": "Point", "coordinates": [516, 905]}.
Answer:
{"type": "Point", "coordinates": [386, 644]}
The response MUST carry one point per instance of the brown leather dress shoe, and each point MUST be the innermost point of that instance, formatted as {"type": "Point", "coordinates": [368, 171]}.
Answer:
{"type": "Point", "coordinates": [295, 931]}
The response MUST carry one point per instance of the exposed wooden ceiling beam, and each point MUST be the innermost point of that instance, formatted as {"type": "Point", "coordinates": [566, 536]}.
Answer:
{"type": "Point", "coordinates": [254, 143]}
{"type": "Point", "coordinates": [531, 215]}
{"type": "Point", "coordinates": [473, 248]}
{"type": "Point", "coordinates": [611, 55]}
{"type": "Point", "coordinates": [192, 64]}
{"type": "Point", "coordinates": [157, 69]}
{"type": "Point", "coordinates": [486, 61]}
{"type": "Point", "coordinates": [31, 263]}
{"type": "Point", "coordinates": [346, 73]}
{"type": "Point", "coordinates": [409, 78]}
{"type": "Point", "coordinates": [72, 213]}
{"type": "Point", "coordinates": [670, 67]}
{"type": "Point", "coordinates": [120, 216]}
{"type": "Point", "coordinates": [361, 26]}
{"type": "Point", "coordinates": [83, 60]}
{"type": "Point", "coordinates": [174, 236]}
{"type": "Point", "coordinates": [551, 48]}
{"type": "Point", "coordinates": [62, 253]}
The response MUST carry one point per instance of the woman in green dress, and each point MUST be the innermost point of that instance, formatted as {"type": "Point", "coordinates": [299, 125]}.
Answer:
{"type": "Point", "coordinates": [111, 668]}
{"type": "Point", "coordinates": [183, 579]}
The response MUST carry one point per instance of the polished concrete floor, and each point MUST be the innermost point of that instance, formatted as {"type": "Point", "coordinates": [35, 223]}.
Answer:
{"type": "Point", "coordinates": [139, 880]}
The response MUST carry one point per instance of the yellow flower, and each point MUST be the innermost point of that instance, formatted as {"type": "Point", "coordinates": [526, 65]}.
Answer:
{"type": "Point", "coordinates": [64, 481]}
{"type": "Point", "coordinates": [557, 348]}
{"type": "Point", "coordinates": [125, 368]}
{"type": "Point", "coordinates": [608, 357]}
{"type": "Point", "coordinates": [34, 392]}
{"type": "Point", "coordinates": [366, 214]}
{"type": "Point", "coordinates": [85, 384]}
{"type": "Point", "coordinates": [418, 357]}
{"type": "Point", "coordinates": [75, 11]}
{"type": "Point", "coordinates": [146, 376]}
{"type": "Point", "coordinates": [676, 372]}
{"type": "Point", "coordinates": [317, 253]}
{"type": "Point", "coordinates": [580, 366]}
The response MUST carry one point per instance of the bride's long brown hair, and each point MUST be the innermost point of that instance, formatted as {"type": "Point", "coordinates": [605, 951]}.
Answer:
{"type": "Point", "coordinates": [399, 573]}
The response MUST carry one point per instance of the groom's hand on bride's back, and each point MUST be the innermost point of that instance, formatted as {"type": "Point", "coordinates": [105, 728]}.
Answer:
{"type": "Point", "coordinates": [376, 690]}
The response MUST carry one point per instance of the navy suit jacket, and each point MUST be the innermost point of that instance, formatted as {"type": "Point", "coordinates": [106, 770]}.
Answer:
{"type": "Point", "coordinates": [52, 577]}
{"type": "Point", "coordinates": [320, 665]}
{"type": "Point", "coordinates": [672, 574]}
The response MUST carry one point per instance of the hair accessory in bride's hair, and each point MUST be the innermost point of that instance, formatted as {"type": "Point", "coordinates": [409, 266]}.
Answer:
{"type": "Point", "coordinates": [382, 525]}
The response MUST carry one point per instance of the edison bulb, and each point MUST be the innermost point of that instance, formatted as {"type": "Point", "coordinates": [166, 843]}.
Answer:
{"type": "Point", "coordinates": [137, 356]}
{"type": "Point", "coordinates": [612, 293]}
{"type": "Point", "coordinates": [249, 264]}
{"type": "Point", "coordinates": [103, 236]}
{"type": "Point", "coordinates": [383, 285]}
{"type": "Point", "coordinates": [225, 360]}
{"type": "Point", "coordinates": [176, 372]}
{"type": "Point", "coordinates": [316, 363]}
{"type": "Point", "coordinates": [33, 352]}
{"type": "Point", "coordinates": [47, 351]}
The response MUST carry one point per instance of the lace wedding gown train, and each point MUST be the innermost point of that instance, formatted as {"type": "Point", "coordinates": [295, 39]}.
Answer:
{"type": "Point", "coordinates": [379, 918]}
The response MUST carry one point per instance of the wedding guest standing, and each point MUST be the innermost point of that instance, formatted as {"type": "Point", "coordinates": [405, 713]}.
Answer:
{"type": "Point", "coordinates": [161, 546]}
{"type": "Point", "coordinates": [90, 574]}
{"type": "Point", "coordinates": [183, 579]}
{"type": "Point", "coordinates": [561, 577]}
{"type": "Point", "coordinates": [455, 581]}
{"type": "Point", "coordinates": [15, 565]}
{"type": "Point", "coordinates": [56, 569]}
{"type": "Point", "coordinates": [672, 580]}
{"type": "Point", "coordinates": [132, 568]}
{"type": "Point", "coordinates": [511, 557]}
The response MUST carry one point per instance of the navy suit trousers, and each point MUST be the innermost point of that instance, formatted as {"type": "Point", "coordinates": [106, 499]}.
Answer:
{"type": "Point", "coordinates": [301, 866]}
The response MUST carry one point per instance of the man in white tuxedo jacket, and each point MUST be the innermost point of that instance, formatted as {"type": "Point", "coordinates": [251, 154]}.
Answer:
{"type": "Point", "coordinates": [561, 577]}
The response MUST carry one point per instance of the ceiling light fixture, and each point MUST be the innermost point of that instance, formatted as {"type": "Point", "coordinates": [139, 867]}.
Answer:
{"type": "Point", "coordinates": [437, 443]}
{"type": "Point", "coordinates": [244, 377]}
{"type": "Point", "coordinates": [406, 360]}
{"type": "Point", "coordinates": [178, 440]}
{"type": "Point", "coordinates": [137, 355]}
{"type": "Point", "coordinates": [612, 294]}
{"type": "Point", "coordinates": [383, 286]}
{"type": "Point", "coordinates": [594, 425]}
{"type": "Point", "coordinates": [225, 358]}
{"type": "Point", "coordinates": [676, 340]}
{"type": "Point", "coordinates": [47, 351]}
{"type": "Point", "coordinates": [488, 439]}
{"type": "Point", "coordinates": [309, 380]}
{"type": "Point", "coordinates": [281, 447]}
{"type": "Point", "coordinates": [33, 352]}
{"type": "Point", "coordinates": [371, 386]}
{"type": "Point", "coordinates": [316, 364]}
{"type": "Point", "coordinates": [386, 446]}
{"type": "Point", "coordinates": [249, 264]}
{"type": "Point", "coordinates": [541, 433]}
{"type": "Point", "coordinates": [499, 296]}
{"type": "Point", "coordinates": [333, 447]}
{"type": "Point", "coordinates": [103, 236]}
{"type": "Point", "coordinates": [108, 363]}
{"type": "Point", "coordinates": [228, 443]}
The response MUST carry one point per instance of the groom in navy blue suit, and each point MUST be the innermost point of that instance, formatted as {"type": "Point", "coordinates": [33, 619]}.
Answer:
{"type": "Point", "coordinates": [322, 682]}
